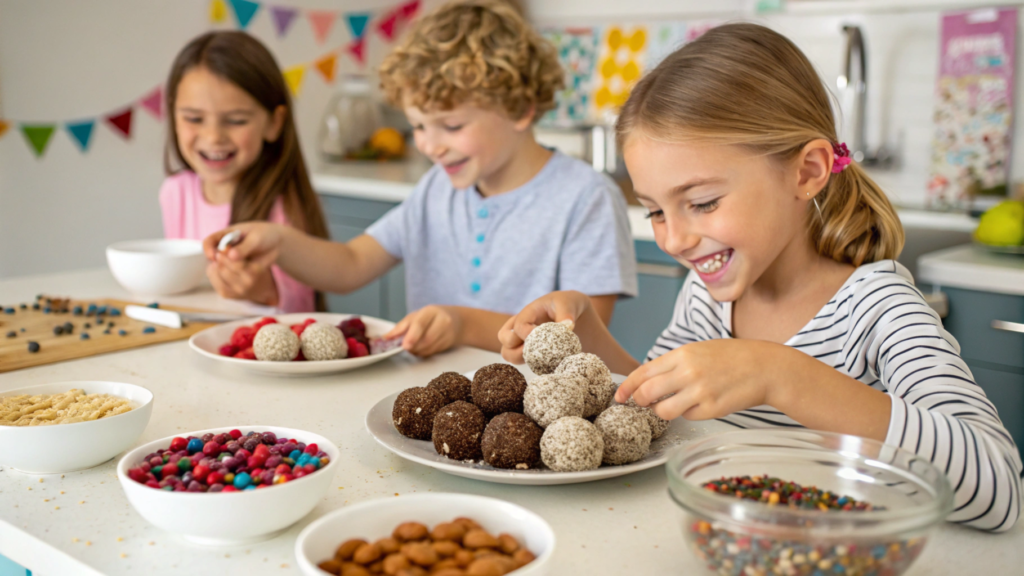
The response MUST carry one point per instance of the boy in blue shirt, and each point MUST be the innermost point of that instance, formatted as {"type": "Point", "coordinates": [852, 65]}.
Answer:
{"type": "Point", "coordinates": [499, 220]}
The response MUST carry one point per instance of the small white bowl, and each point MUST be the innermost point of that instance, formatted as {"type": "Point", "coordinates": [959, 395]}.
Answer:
{"type": "Point", "coordinates": [378, 518]}
{"type": "Point", "coordinates": [60, 448]}
{"type": "Point", "coordinates": [223, 519]}
{"type": "Point", "coordinates": [157, 267]}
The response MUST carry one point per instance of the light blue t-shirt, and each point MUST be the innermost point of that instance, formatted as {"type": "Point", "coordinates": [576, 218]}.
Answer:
{"type": "Point", "coordinates": [565, 229]}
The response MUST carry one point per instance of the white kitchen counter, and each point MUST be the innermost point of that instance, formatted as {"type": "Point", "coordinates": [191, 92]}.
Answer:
{"type": "Point", "coordinates": [974, 268]}
{"type": "Point", "coordinates": [618, 526]}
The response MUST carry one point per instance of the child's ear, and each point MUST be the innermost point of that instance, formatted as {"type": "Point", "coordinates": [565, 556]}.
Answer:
{"type": "Point", "coordinates": [276, 124]}
{"type": "Point", "coordinates": [814, 167]}
{"type": "Point", "coordinates": [526, 120]}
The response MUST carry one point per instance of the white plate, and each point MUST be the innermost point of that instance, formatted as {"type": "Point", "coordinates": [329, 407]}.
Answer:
{"type": "Point", "coordinates": [379, 424]}
{"type": "Point", "coordinates": [209, 341]}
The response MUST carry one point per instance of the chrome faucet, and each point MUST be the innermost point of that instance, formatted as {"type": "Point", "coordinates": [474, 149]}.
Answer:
{"type": "Point", "coordinates": [855, 77]}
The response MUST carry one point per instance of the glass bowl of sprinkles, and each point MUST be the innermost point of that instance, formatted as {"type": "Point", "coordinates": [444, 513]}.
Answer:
{"type": "Point", "coordinates": [807, 503]}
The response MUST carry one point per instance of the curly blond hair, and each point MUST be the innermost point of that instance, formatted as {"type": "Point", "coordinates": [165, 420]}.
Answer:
{"type": "Point", "coordinates": [479, 52]}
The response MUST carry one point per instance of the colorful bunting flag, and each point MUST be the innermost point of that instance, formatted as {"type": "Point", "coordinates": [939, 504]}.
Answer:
{"type": "Point", "coordinates": [154, 102]}
{"type": "Point", "coordinates": [389, 25]}
{"type": "Point", "coordinates": [322, 21]}
{"type": "Point", "coordinates": [293, 77]}
{"type": "Point", "coordinates": [121, 122]}
{"type": "Point", "coordinates": [327, 66]}
{"type": "Point", "coordinates": [3, 128]}
{"type": "Point", "coordinates": [81, 132]}
{"type": "Point", "coordinates": [357, 23]}
{"type": "Point", "coordinates": [244, 11]}
{"type": "Point", "coordinates": [409, 10]}
{"type": "Point", "coordinates": [38, 136]}
{"type": "Point", "coordinates": [358, 50]}
{"type": "Point", "coordinates": [218, 11]}
{"type": "Point", "coordinates": [283, 18]}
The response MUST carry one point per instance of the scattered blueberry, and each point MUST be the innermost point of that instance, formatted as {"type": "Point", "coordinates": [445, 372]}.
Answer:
{"type": "Point", "coordinates": [77, 310]}
{"type": "Point", "coordinates": [101, 310]}
{"type": "Point", "coordinates": [23, 306]}
{"type": "Point", "coordinates": [122, 333]}
{"type": "Point", "coordinates": [148, 330]}
{"type": "Point", "coordinates": [12, 334]}
{"type": "Point", "coordinates": [33, 347]}
{"type": "Point", "coordinates": [35, 306]}
{"type": "Point", "coordinates": [47, 310]}
{"type": "Point", "coordinates": [69, 327]}
{"type": "Point", "coordinates": [9, 310]}
{"type": "Point", "coordinates": [84, 336]}
{"type": "Point", "coordinates": [58, 330]}
{"type": "Point", "coordinates": [115, 312]}
{"type": "Point", "coordinates": [99, 321]}
{"type": "Point", "coordinates": [87, 325]}
{"type": "Point", "coordinates": [90, 310]}
{"type": "Point", "coordinates": [111, 324]}
{"type": "Point", "coordinates": [153, 305]}
{"type": "Point", "coordinates": [22, 329]}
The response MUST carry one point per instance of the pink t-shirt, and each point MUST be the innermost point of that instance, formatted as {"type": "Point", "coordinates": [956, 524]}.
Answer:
{"type": "Point", "coordinates": [187, 214]}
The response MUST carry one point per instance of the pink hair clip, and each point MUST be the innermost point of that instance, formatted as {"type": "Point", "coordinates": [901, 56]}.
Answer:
{"type": "Point", "coordinates": [842, 157]}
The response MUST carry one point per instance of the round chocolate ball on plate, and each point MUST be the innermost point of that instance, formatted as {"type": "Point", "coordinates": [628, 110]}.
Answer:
{"type": "Point", "coordinates": [571, 444]}
{"type": "Point", "coordinates": [498, 388]}
{"type": "Point", "coordinates": [323, 341]}
{"type": "Point", "coordinates": [553, 396]}
{"type": "Point", "coordinates": [453, 386]}
{"type": "Point", "coordinates": [512, 440]}
{"type": "Point", "coordinates": [414, 411]}
{"type": "Point", "coordinates": [458, 429]}
{"type": "Point", "coordinates": [275, 343]}
{"type": "Point", "coordinates": [626, 435]}
{"type": "Point", "coordinates": [548, 344]}
{"type": "Point", "coordinates": [600, 387]}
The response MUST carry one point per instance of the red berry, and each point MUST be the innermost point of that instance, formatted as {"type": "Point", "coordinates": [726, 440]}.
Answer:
{"type": "Point", "coordinates": [211, 448]}
{"type": "Point", "coordinates": [300, 358]}
{"type": "Point", "coordinates": [200, 472]}
{"type": "Point", "coordinates": [178, 443]}
{"type": "Point", "coordinates": [246, 354]}
{"type": "Point", "coordinates": [227, 350]}
{"type": "Point", "coordinates": [243, 337]}
{"type": "Point", "coordinates": [153, 484]}
{"type": "Point", "coordinates": [282, 469]}
{"type": "Point", "coordinates": [309, 321]}
{"type": "Point", "coordinates": [353, 328]}
{"type": "Point", "coordinates": [312, 449]}
{"type": "Point", "coordinates": [229, 488]}
{"type": "Point", "coordinates": [298, 328]}
{"type": "Point", "coordinates": [299, 473]}
{"type": "Point", "coordinates": [309, 468]}
{"type": "Point", "coordinates": [213, 478]}
{"type": "Point", "coordinates": [357, 350]}
{"type": "Point", "coordinates": [263, 322]}
{"type": "Point", "coordinates": [236, 434]}
{"type": "Point", "coordinates": [168, 471]}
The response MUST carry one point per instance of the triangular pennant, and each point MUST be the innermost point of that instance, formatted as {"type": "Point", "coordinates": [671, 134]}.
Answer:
{"type": "Point", "coordinates": [358, 50]}
{"type": "Point", "coordinates": [154, 102]}
{"type": "Point", "coordinates": [293, 77]}
{"type": "Point", "coordinates": [121, 122]}
{"type": "Point", "coordinates": [81, 132]}
{"type": "Point", "coordinates": [38, 136]}
{"type": "Point", "coordinates": [409, 9]}
{"type": "Point", "coordinates": [327, 65]}
{"type": "Point", "coordinates": [283, 18]}
{"type": "Point", "coordinates": [322, 21]}
{"type": "Point", "coordinates": [218, 11]}
{"type": "Point", "coordinates": [387, 26]}
{"type": "Point", "coordinates": [3, 128]}
{"type": "Point", "coordinates": [244, 11]}
{"type": "Point", "coordinates": [357, 23]}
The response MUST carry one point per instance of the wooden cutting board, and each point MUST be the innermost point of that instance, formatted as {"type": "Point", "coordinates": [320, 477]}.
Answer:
{"type": "Point", "coordinates": [37, 326]}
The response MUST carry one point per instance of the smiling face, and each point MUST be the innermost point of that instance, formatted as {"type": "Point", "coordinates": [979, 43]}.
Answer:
{"type": "Point", "coordinates": [220, 127]}
{"type": "Point", "coordinates": [719, 210]}
{"type": "Point", "coordinates": [474, 145]}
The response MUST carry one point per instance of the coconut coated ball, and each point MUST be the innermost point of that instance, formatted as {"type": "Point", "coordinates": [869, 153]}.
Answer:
{"type": "Point", "coordinates": [626, 435]}
{"type": "Point", "coordinates": [453, 386]}
{"type": "Point", "coordinates": [275, 343]}
{"type": "Point", "coordinates": [600, 387]}
{"type": "Point", "coordinates": [658, 424]}
{"type": "Point", "coordinates": [548, 345]}
{"type": "Point", "coordinates": [512, 440]}
{"type": "Point", "coordinates": [458, 429]}
{"type": "Point", "coordinates": [323, 341]}
{"type": "Point", "coordinates": [553, 396]}
{"type": "Point", "coordinates": [571, 444]}
{"type": "Point", "coordinates": [498, 388]}
{"type": "Point", "coordinates": [414, 411]}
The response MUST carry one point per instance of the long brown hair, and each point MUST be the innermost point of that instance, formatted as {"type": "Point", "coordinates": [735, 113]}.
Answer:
{"type": "Point", "coordinates": [279, 171]}
{"type": "Point", "coordinates": [746, 85]}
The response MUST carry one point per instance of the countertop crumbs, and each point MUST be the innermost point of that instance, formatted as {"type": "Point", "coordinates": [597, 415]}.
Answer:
{"type": "Point", "coordinates": [284, 565]}
{"type": "Point", "coordinates": [81, 501]}
{"type": "Point", "coordinates": [56, 507]}
{"type": "Point", "coordinates": [74, 539]}
{"type": "Point", "coordinates": [40, 480]}
{"type": "Point", "coordinates": [152, 543]}
{"type": "Point", "coordinates": [123, 555]}
{"type": "Point", "coordinates": [61, 491]}
{"type": "Point", "coordinates": [119, 539]}
{"type": "Point", "coordinates": [46, 499]}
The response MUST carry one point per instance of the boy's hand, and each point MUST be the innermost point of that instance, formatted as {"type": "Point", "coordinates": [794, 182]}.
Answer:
{"type": "Point", "coordinates": [704, 380]}
{"type": "Point", "coordinates": [554, 307]}
{"type": "Point", "coordinates": [243, 280]}
{"type": "Point", "coordinates": [260, 242]}
{"type": "Point", "coordinates": [429, 330]}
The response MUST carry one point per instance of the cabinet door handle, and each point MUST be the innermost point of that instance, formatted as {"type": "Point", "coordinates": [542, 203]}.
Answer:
{"type": "Point", "coordinates": [1008, 326]}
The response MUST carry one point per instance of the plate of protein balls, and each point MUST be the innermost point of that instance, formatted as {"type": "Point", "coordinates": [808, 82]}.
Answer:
{"type": "Point", "coordinates": [296, 344]}
{"type": "Point", "coordinates": [558, 425]}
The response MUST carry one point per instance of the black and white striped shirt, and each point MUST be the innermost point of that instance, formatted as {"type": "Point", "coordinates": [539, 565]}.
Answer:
{"type": "Point", "coordinates": [879, 330]}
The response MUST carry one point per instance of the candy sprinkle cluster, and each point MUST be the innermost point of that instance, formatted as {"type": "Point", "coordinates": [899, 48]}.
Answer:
{"type": "Point", "coordinates": [773, 491]}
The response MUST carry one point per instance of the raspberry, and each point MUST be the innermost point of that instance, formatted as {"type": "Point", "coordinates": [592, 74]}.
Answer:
{"type": "Point", "coordinates": [353, 328]}
{"type": "Point", "coordinates": [357, 350]}
{"type": "Point", "coordinates": [246, 354]}
{"type": "Point", "coordinates": [298, 329]}
{"type": "Point", "coordinates": [301, 357]}
{"type": "Point", "coordinates": [243, 337]}
{"type": "Point", "coordinates": [309, 321]}
{"type": "Point", "coordinates": [263, 322]}
{"type": "Point", "coordinates": [228, 350]}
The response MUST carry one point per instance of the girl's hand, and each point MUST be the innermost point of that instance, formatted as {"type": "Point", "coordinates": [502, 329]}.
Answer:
{"type": "Point", "coordinates": [244, 279]}
{"type": "Point", "coordinates": [259, 241]}
{"type": "Point", "coordinates": [554, 307]}
{"type": "Point", "coordinates": [704, 380]}
{"type": "Point", "coordinates": [429, 330]}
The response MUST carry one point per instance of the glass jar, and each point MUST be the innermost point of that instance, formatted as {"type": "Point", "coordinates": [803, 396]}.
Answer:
{"type": "Point", "coordinates": [350, 120]}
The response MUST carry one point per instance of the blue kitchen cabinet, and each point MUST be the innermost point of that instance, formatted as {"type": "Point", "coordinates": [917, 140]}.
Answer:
{"type": "Point", "coordinates": [1006, 391]}
{"type": "Point", "coordinates": [637, 322]}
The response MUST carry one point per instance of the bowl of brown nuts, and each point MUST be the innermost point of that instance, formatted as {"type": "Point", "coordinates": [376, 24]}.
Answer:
{"type": "Point", "coordinates": [421, 534]}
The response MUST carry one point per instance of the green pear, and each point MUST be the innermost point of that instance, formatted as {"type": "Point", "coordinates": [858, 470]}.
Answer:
{"type": "Point", "coordinates": [1002, 225]}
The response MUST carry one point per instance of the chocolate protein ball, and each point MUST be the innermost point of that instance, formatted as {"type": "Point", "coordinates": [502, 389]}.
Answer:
{"type": "Point", "coordinates": [323, 341]}
{"type": "Point", "coordinates": [553, 396]}
{"type": "Point", "coordinates": [626, 435]}
{"type": "Point", "coordinates": [548, 344]}
{"type": "Point", "coordinates": [414, 411]}
{"type": "Point", "coordinates": [658, 424]}
{"type": "Point", "coordinates": [275, 343]}
{"type": "Point", "coordinates": [600, 387]}
{"type": "Point", "coordinates": [458, 429]}
{"type": "Point", "coordinates": [512, 440]}
{"type": "Point", "coordinates": [453, 386]}
{"type": "Point", "coordinates": [498, 388]}
{"type": "Point", "coordinates": [571, 444]}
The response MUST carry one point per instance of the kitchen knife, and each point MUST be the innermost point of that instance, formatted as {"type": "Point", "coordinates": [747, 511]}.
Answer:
{"type": "Point", "coordinates": [173, 319]}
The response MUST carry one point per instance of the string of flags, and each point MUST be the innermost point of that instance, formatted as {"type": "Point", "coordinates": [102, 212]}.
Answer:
{"type": "Point", "coordinates": [388, 23]}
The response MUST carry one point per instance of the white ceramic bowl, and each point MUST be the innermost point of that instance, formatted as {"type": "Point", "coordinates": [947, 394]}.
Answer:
{"type": "Point", "coordinates": [60, 448]}
{"type": "Point", "coordinates": [222, 519]}
{"type": "Point", "coordinates": [157, 267]}
{"type": "Point", "coordinates": [378, 518]}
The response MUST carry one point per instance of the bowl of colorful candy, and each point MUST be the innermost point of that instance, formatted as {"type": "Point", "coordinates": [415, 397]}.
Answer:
{"type": "Point", "coordinates": [805, 502]}
{"type": "Point", "coordinates": [157, 267]}
{"type": "Point", "coordinates": [228, 486]}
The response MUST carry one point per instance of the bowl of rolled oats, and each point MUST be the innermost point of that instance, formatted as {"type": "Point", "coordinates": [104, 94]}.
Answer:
{"type": "Point", "coordinates": [68, 426]}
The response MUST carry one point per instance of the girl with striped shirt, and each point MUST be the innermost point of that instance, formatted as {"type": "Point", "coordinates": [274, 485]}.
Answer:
{"type": "Point", "coordinates": [796, 313]}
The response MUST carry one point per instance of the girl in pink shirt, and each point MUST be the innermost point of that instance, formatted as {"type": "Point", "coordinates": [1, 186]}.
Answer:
{"type": "Point", "coordinates": [233, 156]}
